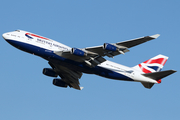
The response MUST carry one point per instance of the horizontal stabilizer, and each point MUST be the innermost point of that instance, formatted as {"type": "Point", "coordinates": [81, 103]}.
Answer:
{"type": "Point", "coordinates": [159, 75]}
{"type": "Point", "coordinates": [147, 85]}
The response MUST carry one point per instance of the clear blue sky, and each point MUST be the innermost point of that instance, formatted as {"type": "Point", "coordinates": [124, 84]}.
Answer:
{"type": "Point", "coordinates": [26, 94]}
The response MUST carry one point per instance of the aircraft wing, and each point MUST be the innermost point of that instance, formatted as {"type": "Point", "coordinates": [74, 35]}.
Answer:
{"type": "Point", "coordinates": [93, 56]}
{"type": "Point", "coordinates": [121, 47]}
{"type": "Point", "coordinates": [91, 59]}
{"type": "Point", "coordinates": [69, 76]}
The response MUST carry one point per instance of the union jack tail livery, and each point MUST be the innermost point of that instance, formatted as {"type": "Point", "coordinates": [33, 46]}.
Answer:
{"type": "Point", "coordinates": [152, 69]}
{"type": "Point", "coordinates": [154, 64]}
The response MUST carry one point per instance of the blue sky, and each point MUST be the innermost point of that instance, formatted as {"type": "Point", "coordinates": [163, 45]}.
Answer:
{"type": "Point", "coordinates": [26, 94]}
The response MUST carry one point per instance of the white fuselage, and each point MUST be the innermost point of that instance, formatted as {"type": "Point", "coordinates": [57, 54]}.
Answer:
{"type": "Point", "coordinates": [23, 40]}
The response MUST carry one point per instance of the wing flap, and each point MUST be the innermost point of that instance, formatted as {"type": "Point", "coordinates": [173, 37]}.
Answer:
{"type": "Point", "coordinates": [69, 76]}
{"type": "Point", "coordinates": [68, 55]}
{"type": "Point", "coordinates": [91, 59]}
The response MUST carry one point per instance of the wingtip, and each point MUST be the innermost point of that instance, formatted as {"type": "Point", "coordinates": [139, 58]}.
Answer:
{"type": "Point", "coordinates": [155, 36]}
{"type": "Point", "coordinates": [173, 71]}
{"type": "Point", "coordinates": [81, 88]}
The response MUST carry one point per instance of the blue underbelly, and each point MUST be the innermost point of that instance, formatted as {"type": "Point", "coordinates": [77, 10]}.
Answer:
{"type": "Point", "coordinates": [77, 66]}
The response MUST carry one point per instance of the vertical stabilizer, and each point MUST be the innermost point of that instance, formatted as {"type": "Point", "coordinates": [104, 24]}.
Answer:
{"type": "Point", "coordinates": [154, 64]}
{"type": "Point", "coordinates": [152, 69]}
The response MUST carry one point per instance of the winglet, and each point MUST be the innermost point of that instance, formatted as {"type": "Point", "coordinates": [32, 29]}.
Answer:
{"type": "Point", "coordinates": [155, 36]}
{"type": "Point", "coordinates": [81, 88]}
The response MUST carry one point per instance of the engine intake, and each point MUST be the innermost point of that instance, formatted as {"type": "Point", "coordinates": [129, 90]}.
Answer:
{"type": "Point", "coordinates": [49, 72]}
{"type": "Point", "coordinates": [78, 52]}
{"type": "Point", "coordinates": [109, 47]}
{"type": "Point", "coordinates": [59, 83]}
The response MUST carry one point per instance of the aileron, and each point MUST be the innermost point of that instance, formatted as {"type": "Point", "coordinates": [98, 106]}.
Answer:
{"type": "Point", "coordinates": [134, 42]}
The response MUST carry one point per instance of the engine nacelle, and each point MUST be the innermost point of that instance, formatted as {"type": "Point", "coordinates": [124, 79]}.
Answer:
{"type": "Point", "coordinates": [49, 72]}
{"type": "Point", "coordinates": [59, 83]}
{"type": "Point", "coordinates": [78, 52]}
{"type": "Point", "coordinates": [109, 47]}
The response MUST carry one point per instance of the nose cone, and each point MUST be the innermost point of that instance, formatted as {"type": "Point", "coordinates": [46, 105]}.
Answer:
{"type": "Point", "coordinates": [5, 36]}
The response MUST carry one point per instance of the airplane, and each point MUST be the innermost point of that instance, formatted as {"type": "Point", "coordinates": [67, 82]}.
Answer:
{"type": "Point", "coordinates": [70, 63]}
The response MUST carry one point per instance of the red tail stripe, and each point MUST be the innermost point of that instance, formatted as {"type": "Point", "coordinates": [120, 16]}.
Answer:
{"type": "Point", "coordinates": [143, 69]}
{"type": "Point", "coordinates": [147, 71]}
{"type": "Point", "coordinates": [161, 61]}
{"type": "Point", "coordinates": [159, 81]}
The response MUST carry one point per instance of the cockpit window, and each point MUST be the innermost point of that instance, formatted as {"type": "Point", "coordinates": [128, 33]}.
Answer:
{"type": "Point", "coordinates": [17, 30]}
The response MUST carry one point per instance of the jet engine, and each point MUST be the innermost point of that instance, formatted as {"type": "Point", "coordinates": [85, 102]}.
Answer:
{"type": "Point", "coordinates": [78, 52]}
{"type": "Point", "coordinates": [49, 72]}
{"type": "Point", "coordinates": [109, 47]}
{"type": "Point", "coordinates": [59, 83]}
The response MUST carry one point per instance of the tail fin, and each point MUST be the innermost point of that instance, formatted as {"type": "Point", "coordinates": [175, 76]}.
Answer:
{"type": "Point", "coordinates": [154, 64]}
{"type": "Point", "coordinates": [152, 69]}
